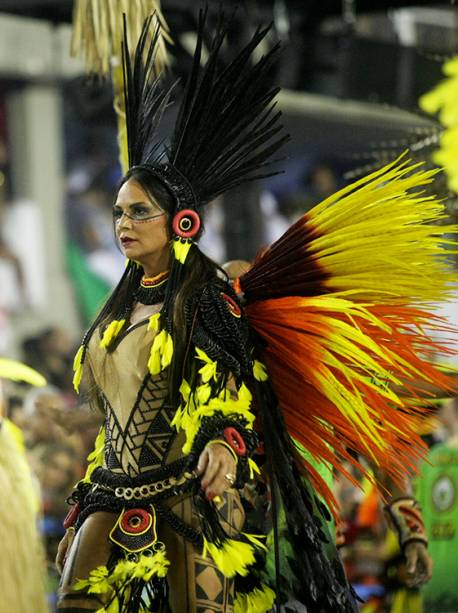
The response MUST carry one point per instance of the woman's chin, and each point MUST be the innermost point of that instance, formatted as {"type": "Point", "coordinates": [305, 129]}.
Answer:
{"type": "Point", "coordinates": [131, 251]}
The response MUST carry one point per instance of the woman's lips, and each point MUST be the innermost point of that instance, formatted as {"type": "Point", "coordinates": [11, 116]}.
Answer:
{"type": "Point", "coordinates": [127, 241]}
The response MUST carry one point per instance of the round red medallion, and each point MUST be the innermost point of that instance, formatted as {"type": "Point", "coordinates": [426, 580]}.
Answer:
{"type": "Point", "coordinates": [135, 521]}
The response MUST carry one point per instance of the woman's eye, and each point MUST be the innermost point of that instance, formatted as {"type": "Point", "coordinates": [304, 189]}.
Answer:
{"type": "Point", "coordinates": [140, 211]}
{"type": "Point", "coordinates": [117, 213]}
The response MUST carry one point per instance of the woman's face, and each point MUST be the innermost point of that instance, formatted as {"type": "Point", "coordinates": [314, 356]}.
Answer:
{"type": "Point", "coordinates": [141, 224]}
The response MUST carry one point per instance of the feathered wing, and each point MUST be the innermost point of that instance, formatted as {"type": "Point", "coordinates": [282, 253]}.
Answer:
{"type": "Point", "coordinates": [343, 306]}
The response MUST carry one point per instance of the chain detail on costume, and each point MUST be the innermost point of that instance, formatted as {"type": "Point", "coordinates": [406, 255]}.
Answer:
{"type": "Point", "coordinates": [143, 444]}
{"type": "Point", "coordinates": [146, 491]}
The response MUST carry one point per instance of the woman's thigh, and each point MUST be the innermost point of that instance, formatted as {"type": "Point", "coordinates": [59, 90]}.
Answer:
{"type": "Point", "coordinates": [90, 548]}
{"type": "Point", "coordinates": [196, 585]}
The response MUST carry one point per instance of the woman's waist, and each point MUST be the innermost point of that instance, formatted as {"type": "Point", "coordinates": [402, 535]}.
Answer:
{"type": "Point", "coordinates": [145, 485]}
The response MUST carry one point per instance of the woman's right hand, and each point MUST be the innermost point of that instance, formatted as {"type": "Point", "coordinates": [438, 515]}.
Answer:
{"type": "Point", "coordinates": [64, 548]}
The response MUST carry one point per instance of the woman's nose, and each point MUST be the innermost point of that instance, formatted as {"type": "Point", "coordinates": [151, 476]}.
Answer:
{"type": "Point", "coordinates": [124, 222]}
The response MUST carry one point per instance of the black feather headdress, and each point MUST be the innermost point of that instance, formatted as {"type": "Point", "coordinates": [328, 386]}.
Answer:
{"type": "Point", "coordinates": [226, 130]}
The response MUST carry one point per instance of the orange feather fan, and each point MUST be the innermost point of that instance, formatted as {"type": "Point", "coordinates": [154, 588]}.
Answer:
{"type": "Point", "coordinates": [343, 306]}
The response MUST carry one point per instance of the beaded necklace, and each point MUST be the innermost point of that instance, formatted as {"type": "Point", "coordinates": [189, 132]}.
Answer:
{"type": "Point", "coordinates": [152, 289]}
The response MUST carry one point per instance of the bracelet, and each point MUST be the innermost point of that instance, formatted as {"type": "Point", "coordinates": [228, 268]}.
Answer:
{"type": "Point", "coordinates": [405, 516]}
{"type": "Point", "coordinates": [235, 440]}
{"type": "Point", "coordinates": [221, 442]}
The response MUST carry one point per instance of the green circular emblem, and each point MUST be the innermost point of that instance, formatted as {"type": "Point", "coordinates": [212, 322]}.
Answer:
{"type": "Point", "coordinates": [443, 493]}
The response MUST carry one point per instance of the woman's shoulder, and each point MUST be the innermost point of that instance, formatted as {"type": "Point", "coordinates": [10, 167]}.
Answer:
{"type": "Point", "coordinates": [219, 326]}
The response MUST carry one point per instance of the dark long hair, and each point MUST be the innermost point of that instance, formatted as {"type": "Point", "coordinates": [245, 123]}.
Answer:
{"type": "Point", "coordinates": [198, 271]}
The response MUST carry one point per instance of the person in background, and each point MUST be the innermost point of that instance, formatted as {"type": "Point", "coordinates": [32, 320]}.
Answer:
{"type": "Point", "coordinates": [437, 492]}
{"type": "Point", "coordinates": [22, 562]}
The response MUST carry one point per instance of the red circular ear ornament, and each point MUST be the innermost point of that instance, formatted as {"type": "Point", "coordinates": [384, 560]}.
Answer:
{"type": "Point", "coordinates": [135, 521]}
{"type": "Point", "coordinates": [186, 223]}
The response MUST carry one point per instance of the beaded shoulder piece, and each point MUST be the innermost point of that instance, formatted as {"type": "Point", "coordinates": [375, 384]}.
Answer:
{"type": "Point", "coordinates": [220, 328]}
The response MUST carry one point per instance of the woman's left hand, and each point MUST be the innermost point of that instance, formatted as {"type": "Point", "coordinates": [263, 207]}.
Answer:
{"type": "Point", "coordinates": [217, 469]}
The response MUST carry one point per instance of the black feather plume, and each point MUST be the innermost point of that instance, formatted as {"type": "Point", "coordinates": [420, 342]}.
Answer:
{"type": "Point", "coordinates": [145, 98]}
{"type": "Point", "coordinates": [227, 125]}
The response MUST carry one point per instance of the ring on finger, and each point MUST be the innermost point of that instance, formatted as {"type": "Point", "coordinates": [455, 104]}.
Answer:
{"type": "Point", "coordinates": [230, 478]}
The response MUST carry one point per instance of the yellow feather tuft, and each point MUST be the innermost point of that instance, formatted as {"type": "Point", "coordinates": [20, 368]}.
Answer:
{"type": "Point", "coordinates": [111, 332]}
{"type": "Point", "coordinates": [161, 352]}
{"type": "Point", "coordinates": [154, 322]}
{"type": "Point", "coordinates": [96, 457]}
{"type": "Point", "coordinates": [104, 581]}
{"type": "Point", "coordinates": [231, 557]}
{"type": "Point", "coordinates": [189, 416]}
{"type": "Point", "coordinates": [181, 249]}
{"type": "Point", "coordinates": [259, 371]}
{"type": "Point", "coordinates": [167, 351]}
{"type": "Point", "coordinates": [203, 393]}
{"type": "Point", "coordinates": [259, 600]}
{"type": "Point", "coordinates": [254, 468]}
{"type": "Point", "coordinates": [97, 583]}
{"type": "Point", "coordinates": [78, 368]}
{"type": "Point", "coordinates": [208, 371]}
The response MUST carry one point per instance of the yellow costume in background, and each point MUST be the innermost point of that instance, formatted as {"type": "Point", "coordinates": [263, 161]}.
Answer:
{"type": "Point", "coordinates": [22, 561]}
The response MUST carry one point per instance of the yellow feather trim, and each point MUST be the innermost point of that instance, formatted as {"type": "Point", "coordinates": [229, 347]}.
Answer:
{"type": "Point", "coordinates": [208, 371]}
{"type": "Point", "coordinates": [111, 332]}
{"type": "Point", "coordinates": [203, 393]}
{"type": "Point", "coordinates": [259, 371]}
{"type": "Point", "coordinates": [254, 468]}
{"type": "Point", "coordinates": [102, 581]}
{"type": "Point", "coordinates": [16, 371]}
{"type": "Point", "coordinates": [96, 457]}
{"type": "Point", "coordinates": [97, 583]}
{"type": "Point", "coordinates": [255, 539]}
{"type": "Point", "coordinates": [154, 322]}
{"type": "Point", "coordinates": [78, 368]}
{"type": "Point", "coordinates": [231, 557]}
{"type": "Point", "coordinates": [181, 249]}
{"type": "Point", "coordinates": [161, 352]}
{"type": "Point", "coordinates": [256, 601]}
{"type": "Point", "coordinates": [189, 415]}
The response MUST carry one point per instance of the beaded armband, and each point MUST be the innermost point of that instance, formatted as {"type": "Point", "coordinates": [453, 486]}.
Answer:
{"type": "Point", "coordinates": [216, 427]}
{"type": "Point", "coordinates": [405, 516]}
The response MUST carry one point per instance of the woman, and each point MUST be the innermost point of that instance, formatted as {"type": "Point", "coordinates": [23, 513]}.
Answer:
{"type": "Point", "coordinates": [174, 512]}
{"type": "Point", "coordinates": [142, 438]}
